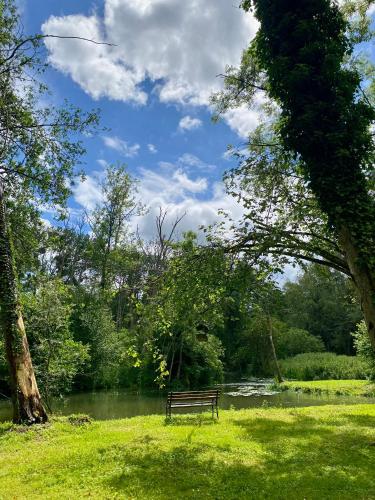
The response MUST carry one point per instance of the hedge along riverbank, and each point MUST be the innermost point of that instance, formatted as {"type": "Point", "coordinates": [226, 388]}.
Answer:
{"type": "Point", "coordinates": [324, 366]}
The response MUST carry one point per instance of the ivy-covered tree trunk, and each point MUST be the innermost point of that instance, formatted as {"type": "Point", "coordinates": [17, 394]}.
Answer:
{"type": "Point", "coordinates": [27, 404]}
{"type": "Point", "coordinates": [303, 47]}
{"type": "Point", "coordinates": [364, 281]}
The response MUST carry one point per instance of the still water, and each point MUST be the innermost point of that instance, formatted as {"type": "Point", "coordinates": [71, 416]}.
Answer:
{"type": "Point", "coordinates": [111, 405]}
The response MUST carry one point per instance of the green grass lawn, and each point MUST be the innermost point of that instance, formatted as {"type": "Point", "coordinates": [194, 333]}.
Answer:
{"type": "Point", "coordinates": [324, 452]}
{"type": "Point", "coordinates": [344, 387]}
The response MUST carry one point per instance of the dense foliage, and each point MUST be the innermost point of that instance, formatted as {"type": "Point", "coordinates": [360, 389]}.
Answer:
{"type": "Point", "coordinates": [184, 316]}
{"type": "Point", "coordinates": [104, 309]}
{"type": "Point", "coordinates": [364, 348]}
{"type": "Point", "coordinates": [324, 303]}
{"type": "Point", "coordinates": [306, 180]}
{"type": "Point", "coordinates": [324, 366]}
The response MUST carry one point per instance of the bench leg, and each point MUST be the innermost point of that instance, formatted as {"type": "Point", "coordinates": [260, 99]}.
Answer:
{"type": "Point", "coordinates": [168, 411]}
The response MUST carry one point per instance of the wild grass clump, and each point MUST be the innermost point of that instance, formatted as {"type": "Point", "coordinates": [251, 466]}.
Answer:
{"type": "Point", "coordinates": [79, 419]}
{"type": "Point", "coordinates": [324, 366]}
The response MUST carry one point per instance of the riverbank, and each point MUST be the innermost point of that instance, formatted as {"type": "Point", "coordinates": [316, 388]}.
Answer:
{"type": "Point", "coordinates": [362, 388]}
{"type": "Point", "coordinates": [315, 452]}
{"type": "Point", "coordinates": [112, 405]}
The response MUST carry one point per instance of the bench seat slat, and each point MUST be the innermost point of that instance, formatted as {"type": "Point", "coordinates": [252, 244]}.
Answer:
{"type": "Point", "coordinates": [193, 392]}
{"type": "Point", "coordinates": [182, 405]}
{"type": "Point", "coordinates": [181, 398]}
{"type": "Point", "coordinates": [183, 394]}
{"type": "Point", "coordinates": [198, 401]}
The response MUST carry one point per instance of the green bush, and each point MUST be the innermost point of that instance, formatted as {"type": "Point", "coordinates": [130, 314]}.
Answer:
{"type": "Point", "coordinates": [364, 348]}
{"type": "Point", "coordinates": [324, 366]}
{"type": "Point", "coordinates": [292, 341]}
{"type": "Point", "coordinates": [57, 357]}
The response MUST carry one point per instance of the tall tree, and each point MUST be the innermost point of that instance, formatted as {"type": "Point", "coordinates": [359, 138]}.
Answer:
{"type": "Point", "coordinates": [299, 58]}
{"type": "Point", "coordinates": [109, 220]}
{"type": "Point", "coordinates": [37, 155]}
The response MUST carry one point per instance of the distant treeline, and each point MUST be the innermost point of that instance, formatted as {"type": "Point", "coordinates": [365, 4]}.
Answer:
{"type": "Point", "coordinates": [105, 309]}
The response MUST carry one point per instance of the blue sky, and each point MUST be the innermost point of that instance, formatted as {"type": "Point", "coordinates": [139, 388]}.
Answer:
{"type": "Point", "coordinates": [153, 90]}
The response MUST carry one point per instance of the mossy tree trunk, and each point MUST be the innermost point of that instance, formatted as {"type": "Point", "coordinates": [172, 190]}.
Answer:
{"type": "Point", "coordinates": [364, 281]}
{"type": "Point", "coordinates": [304, 48]}
{"type": "Point", "coordinates": [27, 404]}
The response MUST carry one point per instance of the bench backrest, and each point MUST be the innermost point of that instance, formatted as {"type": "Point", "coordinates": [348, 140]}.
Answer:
{"type": "Point", "coordinates": [198, 396]}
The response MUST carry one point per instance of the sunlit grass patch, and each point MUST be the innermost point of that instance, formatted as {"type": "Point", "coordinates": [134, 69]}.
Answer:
{"type": "Point", "coordinates": [337, 387]}
{"type": "Point", "coordinates": [316, 452]}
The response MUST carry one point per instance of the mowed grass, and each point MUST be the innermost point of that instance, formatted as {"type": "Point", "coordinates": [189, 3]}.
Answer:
{"type": "Point", "coordinates": [302, 453]}
{"type": "Point", "coordinates": [337, 387]}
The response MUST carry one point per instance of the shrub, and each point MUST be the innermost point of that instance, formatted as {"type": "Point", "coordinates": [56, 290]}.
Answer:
{"type": "Point", "coordinates": [364, 348]}
{"type": "Point", "coordinates": [292, 341]}
{"type": "Point", "coordinates": [324, 365]}
{"type": "Point", "coordinates": [57, 357]}
{"type": "Point", "coordinates": [79, 419]}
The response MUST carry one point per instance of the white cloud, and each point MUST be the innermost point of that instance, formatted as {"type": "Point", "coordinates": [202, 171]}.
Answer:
{"type": "Point", "coordinates": [242, 120]}
{"type": "Point", "coordinates": [189, 123]}
{"type": "Point", "coordinates": [197, 186]}
{"type": "Point", "coordinates": [228, 154]}
{"type": "Point", "coordinates": [171, 188]}
{"type": "Point", "coordinates": [179, 46]}
{"type": "Point", "coordinates": [189, 160]}
{"type": "Point", "coordinates": [152, 148]}
{"type": "Point", "coordinates": [177, 194]}
{"type": "Point", "coordinates": [95, 68]}
{"type": "Point", "coordinates": [46, 223]}
{"type": "Point", "coordinates": [103, 163]}
{"type": "Point", "coordinates": [88, 193]}
{"type": "Point", "coordinates": [121, 146]}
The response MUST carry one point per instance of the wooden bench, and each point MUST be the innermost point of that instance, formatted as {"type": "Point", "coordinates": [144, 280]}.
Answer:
{"type": "Point", "coordinates": [193, 399]}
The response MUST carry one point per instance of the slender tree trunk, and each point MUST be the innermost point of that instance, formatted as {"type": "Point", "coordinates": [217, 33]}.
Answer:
{"type": "Point", "coordinates": [120, 309]}
{"type": "Point", "coordinates": [279, 377]}
{"type": "Point", "coordinates": [180, 360]}
{"type": "Point", "coordinates": [27, 404]}
{"type": "Point", "coordinates": [172, 362]}
{"type": "Point", "coordinates": [364, 281]}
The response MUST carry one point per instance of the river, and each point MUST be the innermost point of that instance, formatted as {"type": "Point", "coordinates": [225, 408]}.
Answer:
{"type": "Point", "coordinates": [106, 405]}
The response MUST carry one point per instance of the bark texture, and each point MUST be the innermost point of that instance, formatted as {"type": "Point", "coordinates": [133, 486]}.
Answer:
{"type": "Point", "coordinates": [364, 281]}
{"type": "Point", "coordinates": [27, 404]}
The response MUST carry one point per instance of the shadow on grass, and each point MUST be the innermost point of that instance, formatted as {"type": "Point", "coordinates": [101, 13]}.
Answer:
{"type": "Point", "coordinates": [5, 428]}
{"type": "Point", "coordinates": [361, 421]}
{"type": "Point", "coordinates": [300, 458]}
{"type": "Point", "coordinates": [191, 419]}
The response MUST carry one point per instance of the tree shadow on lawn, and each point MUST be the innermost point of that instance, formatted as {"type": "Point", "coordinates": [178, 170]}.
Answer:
{"type": "Point", "coordinates": [5, 429]}
{"type": "Point", "coordinates": [274, 459]}
{"type": "Point", "coordinates": [304, 426]}
{"type": "Point", "coordinates": [190, 419]}
{"type": "Point", "coordinates": [361, 421]}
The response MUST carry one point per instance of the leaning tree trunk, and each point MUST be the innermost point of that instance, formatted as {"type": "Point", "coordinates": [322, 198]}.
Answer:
{"type": "Point", "coordinates": [278, 374]}
{"type": "Point", "coordinates": [364, 281]}
{"type": "Point", "coordinates": [27, 404]}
